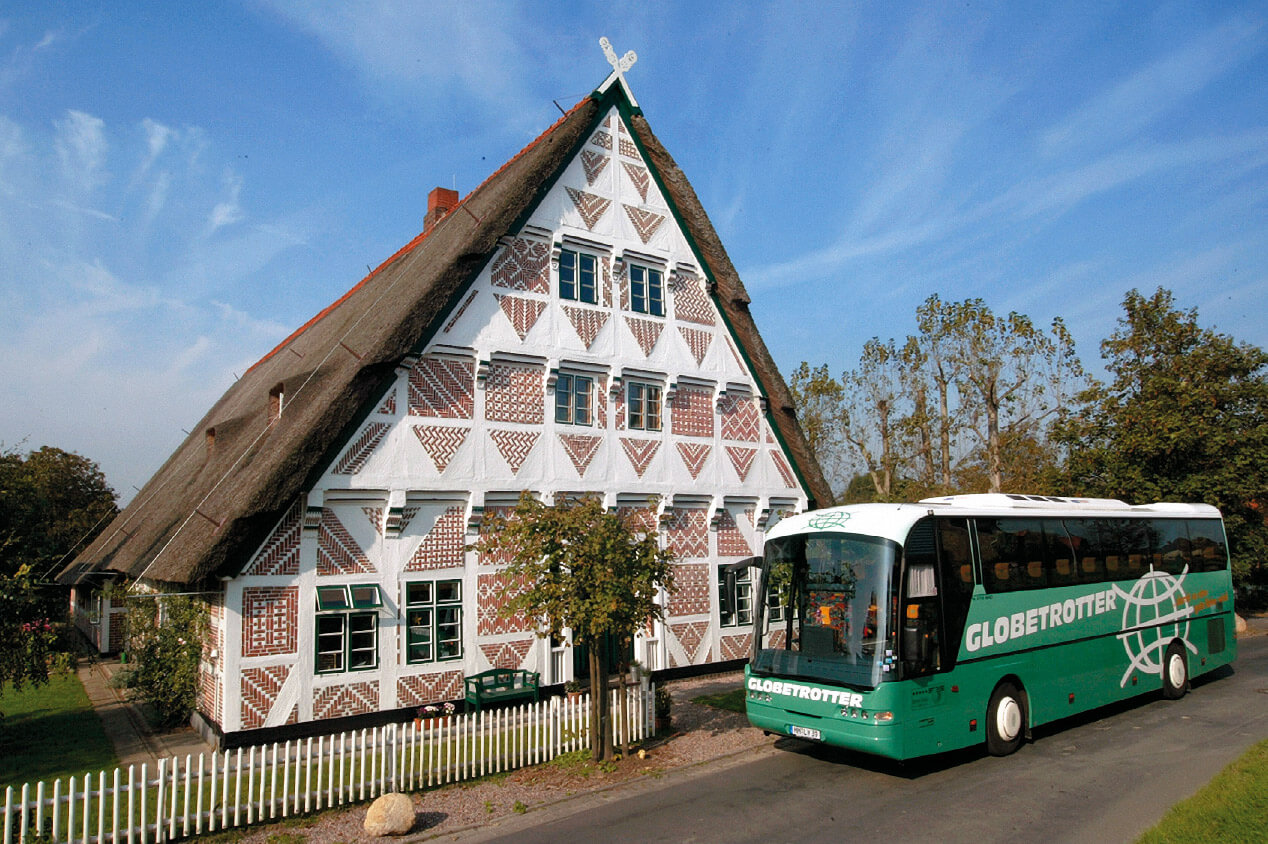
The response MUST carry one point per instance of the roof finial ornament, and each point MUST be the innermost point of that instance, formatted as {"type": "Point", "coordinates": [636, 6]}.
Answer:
{"type": "Point", "coordinates": [619, 67]}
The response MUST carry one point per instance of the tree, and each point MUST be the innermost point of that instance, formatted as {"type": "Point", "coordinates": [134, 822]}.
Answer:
{"type": "Point", "coordinates": [582, 568]}
{"type": "Point", "coordinates": [27, 637]}
{"type": "Point", "coordinates": [1183, 418]}
{"type": "Point", "coordinates": [873, 419]}
{"type": "Point", "coordinates": [52, 502]}
{"type": "Point", "coordinates": [818, 398]}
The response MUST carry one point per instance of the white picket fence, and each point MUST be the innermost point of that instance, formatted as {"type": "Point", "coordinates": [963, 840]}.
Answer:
{"type": "Point", "coordinates": [267, 782]}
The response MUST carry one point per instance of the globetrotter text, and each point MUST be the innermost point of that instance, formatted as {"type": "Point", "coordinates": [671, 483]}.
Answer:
{"type": "Point", "coordinates": [775, 687]}
{"type": "Point", "coordinates": [984, 634]}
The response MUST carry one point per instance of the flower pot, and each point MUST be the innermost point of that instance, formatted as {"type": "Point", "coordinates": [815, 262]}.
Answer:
{"type": "Point", "coordinates": [663, 723]}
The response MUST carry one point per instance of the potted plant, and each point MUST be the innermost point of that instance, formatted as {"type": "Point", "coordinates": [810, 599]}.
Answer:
{"type": "Point", "coordinates": [573, 689]}
{"type": "Point", "coordinates": [664, 705]}
{"type": "Point", "coordinates": [435, 711]}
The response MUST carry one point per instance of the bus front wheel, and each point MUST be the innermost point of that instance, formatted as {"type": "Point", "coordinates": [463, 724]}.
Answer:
{"type": "Point", "coordinates": [1175, 672]}
{"type": "Point", "coordinates": [1005, 720]}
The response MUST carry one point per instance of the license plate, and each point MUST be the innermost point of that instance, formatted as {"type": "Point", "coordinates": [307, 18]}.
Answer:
{"type": "Point", "coordinates": [805, 732]}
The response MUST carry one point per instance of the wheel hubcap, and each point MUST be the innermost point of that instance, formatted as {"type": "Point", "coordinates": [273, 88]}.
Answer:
{"type": "Point", "coordinates": [1175, 668]}
{"type": "Point", "coordinates": [1008, 719]}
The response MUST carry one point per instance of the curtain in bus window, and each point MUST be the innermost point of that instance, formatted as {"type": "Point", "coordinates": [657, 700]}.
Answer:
{"type": "Point", "coordinates": [1208, 550]}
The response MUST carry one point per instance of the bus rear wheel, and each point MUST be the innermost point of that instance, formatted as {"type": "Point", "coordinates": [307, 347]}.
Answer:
{"type": "Point", "coordinates": [1005, 720]}
{"type": "Point", "coordinates": [1175, 672]}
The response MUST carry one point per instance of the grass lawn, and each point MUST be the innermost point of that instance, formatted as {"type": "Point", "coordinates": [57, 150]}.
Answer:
{"type": "Point", "coordinates": [732, 700]}
{"type": "Point", "coordinates": [1231, 808]}
{"type": "Point", "coordinates": [51, 731]}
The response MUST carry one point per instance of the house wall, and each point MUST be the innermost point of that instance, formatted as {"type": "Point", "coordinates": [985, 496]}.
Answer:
{"type": "Point", "coordinates": [470, 424]}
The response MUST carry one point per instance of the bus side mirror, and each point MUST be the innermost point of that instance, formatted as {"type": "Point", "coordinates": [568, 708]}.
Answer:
{"type": "Point", "coordinates": [727, 604]}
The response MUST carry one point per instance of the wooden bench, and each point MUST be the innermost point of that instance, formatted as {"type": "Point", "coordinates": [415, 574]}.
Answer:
{"type": "Point", "coordinates": [501, 684]}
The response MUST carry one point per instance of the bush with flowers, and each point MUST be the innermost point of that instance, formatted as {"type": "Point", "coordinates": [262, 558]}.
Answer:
{"type": "Point", "coordinates": [164, 644]}
{"type": "Point", "coordinates": [436, 710]}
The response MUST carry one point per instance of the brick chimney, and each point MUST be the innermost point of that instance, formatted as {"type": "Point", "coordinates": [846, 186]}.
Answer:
{"type": "Point", "coordinates": [439, 203]}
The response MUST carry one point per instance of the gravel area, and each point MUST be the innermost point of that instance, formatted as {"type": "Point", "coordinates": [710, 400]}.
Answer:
{"type": "Point", "coordinates": [699, 733]}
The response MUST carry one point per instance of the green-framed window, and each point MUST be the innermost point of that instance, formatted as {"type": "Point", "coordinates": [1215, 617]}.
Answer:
{"type": "Point", "coordinates": [572, 400]}
{"type": "Point", "coordinates": [577, 277]}
{"type": "Point", "coordinates": [647, 290]}
{"type": "Point", "coordinates": [348, 627]}
{"type": "Point", "coordinates": [642, 407]}
{"type": "Point", "coordinates": [433, 621]}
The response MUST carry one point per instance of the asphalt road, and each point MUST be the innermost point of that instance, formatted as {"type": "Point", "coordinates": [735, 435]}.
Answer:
{"type": "Point", "coordinates": [1102, 777]}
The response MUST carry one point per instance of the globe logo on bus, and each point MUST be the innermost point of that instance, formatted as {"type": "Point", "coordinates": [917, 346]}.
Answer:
{"type": "Point", "coordinates": [1152, 619]}
{"type": "Point", "coordinates": [828, 521]}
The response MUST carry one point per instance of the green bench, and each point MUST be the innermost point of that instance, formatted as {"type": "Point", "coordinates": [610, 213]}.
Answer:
{"type": "Point", "coordinates": [501, 684]}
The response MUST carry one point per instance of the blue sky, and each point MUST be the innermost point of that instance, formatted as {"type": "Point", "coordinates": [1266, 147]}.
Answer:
{"type": "Point", "coordinates": [181, 185]}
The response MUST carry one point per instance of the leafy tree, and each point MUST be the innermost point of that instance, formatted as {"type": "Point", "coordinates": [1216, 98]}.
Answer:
{"type": "Point", "coordinates": [585, 569]}
{"type": "Point", "coordinates": [818, 398]}
{"type": "Point", "coordinates": [1183, 418]}
{"type": "Point", "coordinates": [165, 634]}
{"type": "Point", "coordinates": [52, 502]}
{"type": "Point", "coordinates": [872, 413]}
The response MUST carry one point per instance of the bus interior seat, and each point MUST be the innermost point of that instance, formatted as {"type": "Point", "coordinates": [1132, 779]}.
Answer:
{"type": "Point", "coordinates": [1035, 569]}
{"type": "Point", "coordinates": [1063, 567]}
{"type": "Point", "coordinates": [1111, 563]}
{"type": "Point", "coordinates": [966, 573]}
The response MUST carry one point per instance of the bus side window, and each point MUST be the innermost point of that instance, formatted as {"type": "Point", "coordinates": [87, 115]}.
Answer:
{"type": "Point", "coordinates": [956, 561]}
{"type": "Point", "coordinates": [1170, 545]}
{"type": "Point", "coordinates": [1209, 552]}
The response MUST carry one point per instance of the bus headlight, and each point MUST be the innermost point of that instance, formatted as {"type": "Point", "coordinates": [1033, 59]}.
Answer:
{"type": "Point", "coordinates": [883, 716]}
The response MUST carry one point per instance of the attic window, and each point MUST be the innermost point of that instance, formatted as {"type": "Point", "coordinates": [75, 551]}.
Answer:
{"type": "Point", "coordinates": [333, 598]}
{"type": "Point", "coordinates": [211, 441]}
{"type": "Point", "coordinates": [276, 398]}
{"type": "Point", "coordinates": [366, 596]}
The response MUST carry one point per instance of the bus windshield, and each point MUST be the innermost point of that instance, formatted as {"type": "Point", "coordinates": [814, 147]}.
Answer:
{"type": "Point", "coordinates": [827, 608]}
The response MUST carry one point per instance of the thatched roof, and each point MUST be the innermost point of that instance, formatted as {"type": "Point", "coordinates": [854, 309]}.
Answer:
{"type": "Point", "coordinates": [212, 503]}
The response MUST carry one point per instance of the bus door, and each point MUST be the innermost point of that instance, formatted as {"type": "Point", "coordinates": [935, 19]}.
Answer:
{"type": "Point", "coordinates": [937, 590]}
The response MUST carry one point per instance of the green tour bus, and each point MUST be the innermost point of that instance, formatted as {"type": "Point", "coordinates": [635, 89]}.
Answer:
{"type": "Point", "coordinates": [909, 629]}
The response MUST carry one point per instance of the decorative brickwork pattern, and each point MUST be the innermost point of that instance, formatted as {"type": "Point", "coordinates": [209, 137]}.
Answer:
{"type": "Point", "coordinates": [588, 322]}
{"type": "Point", "coordinates": [407, 516]}
{"type": "Point", "coordinates": [738, 360]}
{"type": "Point", "coordinates": [362, 447]}
{"type": "Point", "coordinates": [523, 313]}
{"type": "Point", "coordinates": [337, 551]}
{"type": "Point", "coordinates": [259, 692]}
{"type": "Point", "coordinates": [692, 597]}
{"type": "Point", "coordinates": [514, 446]}
{"type": "Point", "coordinates": [590, 206]}
{"type": "Point", "coordinates": [638, 518]}
{"type": "Point", "coordinates": [462, 309]}
{"type": "Point", "coordinates": [777, 639]}
{"type": "Point", "coordinates": [280, 552]}
{"type": "Point", "coordinates": [270, 615]}
{"type": "Point", "coordinates": [693, 413]}
{"type": "Point", "coordinates": [687, 532]}
{"type": "Point", "coordinates": [628, 148]}
{"type": "Point", "coordinates": [690, 636]}
{"type": "Point", "coordinates": [507, 654]}
{"type": "Point", "coordinates": [515, 394]}
{"type": "Point", "coordinates": [784, 471]}
{"type": "Point", "coordinates": [638, 176]}
{"type": "Point", "coordinates": [341, 701]}
{"type": "Point", "coordinates": [523, 265]}
{"type": "Point", "coordinates": [601, 407]}
{"type": "Point", "coordinates": [741, 459]}
{"type": "Point", "coordinates": [442, 387]}
{"type": "Point", "coordinates": [736, 647]}
{"type": "Point", "coordinates": [444, 546]}
{"type": "Point", "coordinates": [640, 453]}
{"type": "Point", "coordinates": [645, 222]}
{"type": "Point", "coordinates": [374, 515]}
{"type": "Point", "coordinates": [421, 689]}
{"type": "Point", "coordinates": [731, 541]}
{"type": "Point", "coordinates": [741, 419]}
{"type": "Point", "coordinates": [697, 340]}
{"type": "Point", "coordinates": [645, 331]}
{"type": "Point", "coordinates": [694, 456]}
{"type": "Point", "coordinates": [503, 556]}
{"type": "Point", "coordinates": [580, 449]}
{"type": "Point", "coordinates": [210, 696]}
{"type": "Point", "coordinates": [493, 591]}
{"type": "Point", "coordinates": [602, 139]}
{"type": "Point", "coordinates": [691, 303]}
{"type": "Point", "coordinates": [618, 409]}
{"type": "Point", "coordinates": [388, 408]}
{"type": "Point", "coordinates": [606, 287]}
{"type": "Point", "coordinates": [441, 442]}
{"type": "Point", "coordinates": [593, 162]}
{"type": "Point", "coordinates": [623, 277]}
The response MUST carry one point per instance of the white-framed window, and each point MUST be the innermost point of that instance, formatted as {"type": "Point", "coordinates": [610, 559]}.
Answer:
{"type": "Point", "coordinates": [642, 406]}
{"type": "Point", "coordinates": [573, 399]}
{"type": "Point", "coordinates": [578, 273]}
{"type": "Point", "coordinates": [348, 627]}
{"type": "Point", "coordinates": [433, 621]}
{"type": "Point", "coordinates": [741, 600]}
{"type": "Point", "coordinates": [647, 290]}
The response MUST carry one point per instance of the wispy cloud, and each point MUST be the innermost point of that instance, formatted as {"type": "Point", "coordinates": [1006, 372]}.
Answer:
{"type": "Point", "coordinates": [80, 143]}
{"type": "Point", "coordinates": [1126, 108]}
{"type": "Point", "coordinates": [229, 210]}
